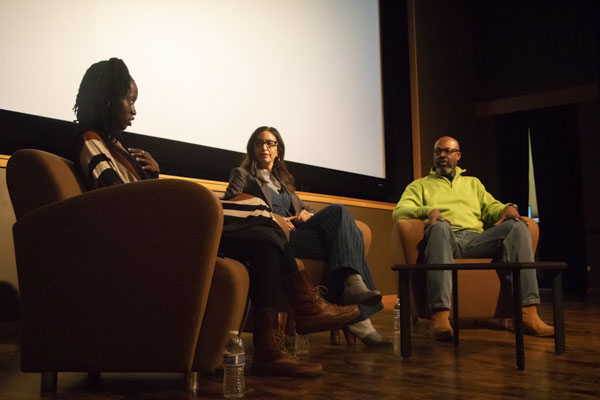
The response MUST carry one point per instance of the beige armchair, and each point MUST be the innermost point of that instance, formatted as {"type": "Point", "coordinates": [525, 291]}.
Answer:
{"type": "Point", "coordinates": [480, 293]}
{"type": "Point", "coordinates": [119, 279]}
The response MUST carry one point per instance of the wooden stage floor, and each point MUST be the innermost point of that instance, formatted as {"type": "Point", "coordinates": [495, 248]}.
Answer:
{"type": "Point", "coordinates": [482, 368]}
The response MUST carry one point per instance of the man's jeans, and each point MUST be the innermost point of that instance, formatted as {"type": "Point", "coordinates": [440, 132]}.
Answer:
{"type": "Point", "coordinates": [508, 242]}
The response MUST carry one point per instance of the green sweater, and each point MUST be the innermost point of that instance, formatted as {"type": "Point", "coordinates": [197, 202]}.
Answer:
{"type": "Point", "coordinates": [463, 201]}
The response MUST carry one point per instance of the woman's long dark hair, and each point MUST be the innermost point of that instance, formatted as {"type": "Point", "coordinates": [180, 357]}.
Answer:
{"type": "Point", "coordinates": [102, 88]}
{"type": "Point", "coordinates": [279, 170]}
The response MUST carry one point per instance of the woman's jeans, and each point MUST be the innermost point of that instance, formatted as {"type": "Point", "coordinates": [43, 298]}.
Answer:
{"type": "Point", "coordinates": [332, 235]}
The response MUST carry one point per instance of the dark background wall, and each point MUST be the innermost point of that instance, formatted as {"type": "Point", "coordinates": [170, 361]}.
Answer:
{"type": "Point", "coordinates": [490, 72]}
{"type": "Point", "coordinates": [532, 46]}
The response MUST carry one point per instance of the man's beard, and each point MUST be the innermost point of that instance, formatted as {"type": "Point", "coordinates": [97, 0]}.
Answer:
{"type": "Point", "coordinates": [444, 171]}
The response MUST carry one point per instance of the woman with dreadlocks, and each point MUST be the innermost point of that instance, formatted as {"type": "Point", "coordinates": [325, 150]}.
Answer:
{"type": "Point", "coordinates": [104, 107]}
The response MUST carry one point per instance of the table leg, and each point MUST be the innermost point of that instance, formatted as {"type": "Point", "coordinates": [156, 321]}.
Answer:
{"type": "Point", "coordinates": [455, 305]}
{"type": "Point", "coordinates": [559, 321]}
{"type": "Point", "coordinates": [404, 296]}
{"type": "Point", "coordinates": [518, 318]}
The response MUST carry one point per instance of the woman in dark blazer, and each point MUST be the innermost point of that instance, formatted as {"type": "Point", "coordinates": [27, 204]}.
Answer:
{"type": "Point", "coordinates": [329, 234]}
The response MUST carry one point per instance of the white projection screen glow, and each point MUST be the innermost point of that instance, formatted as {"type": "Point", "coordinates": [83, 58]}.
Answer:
{"type": "Point", "coordinates": [210, 71]}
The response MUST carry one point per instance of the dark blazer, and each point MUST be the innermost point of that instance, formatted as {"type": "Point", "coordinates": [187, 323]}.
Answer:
{"type": "Point", "coordinates": [242, 181]}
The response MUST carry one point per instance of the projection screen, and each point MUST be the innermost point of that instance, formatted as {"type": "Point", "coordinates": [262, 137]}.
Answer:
{"type": "Point", "coordinates": [209, 72]}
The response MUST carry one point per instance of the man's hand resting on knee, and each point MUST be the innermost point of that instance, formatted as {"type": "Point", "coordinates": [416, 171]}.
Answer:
{"type": "Point", "coordinates": [434, 216]}
{"type": "Point", "coordinates": [510, 212]}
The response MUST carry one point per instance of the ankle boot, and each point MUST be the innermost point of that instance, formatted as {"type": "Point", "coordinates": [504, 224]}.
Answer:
{"type": "Point", "coordinates": [311, 312]}
{"type": "Point", "coordinates": [440, 324]}
{"type": "Point", "coordinates": [356, 292]}
{"type": "Point", "coordinates": [533, 325]}
{"type": "Point", "coordinates": [270, 357]}
{"type": "Point", "coordinates": [365, 331]}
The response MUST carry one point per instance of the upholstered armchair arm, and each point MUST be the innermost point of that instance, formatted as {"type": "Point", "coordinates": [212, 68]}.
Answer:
{"type": "Point", "coordinates": [283, 225]}
{"type": "Point", "coordinates": [366, 231]}
{"type": "Point", "coordinates": [406, 235]}
{"type": "Point", "coordinates": [534, 231]}
{"type": "Point", "coordinates": [121, 274]}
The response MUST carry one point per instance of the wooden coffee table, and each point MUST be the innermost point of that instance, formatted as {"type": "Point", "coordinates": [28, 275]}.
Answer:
{"type": "Point", "coordinates": [556, 268]}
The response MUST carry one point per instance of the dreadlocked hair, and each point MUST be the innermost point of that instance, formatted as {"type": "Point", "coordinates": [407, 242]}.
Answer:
{"type": "Point", "coordinates": [103, 86]}
{"type": "Point", "coordinates": [279, 170]}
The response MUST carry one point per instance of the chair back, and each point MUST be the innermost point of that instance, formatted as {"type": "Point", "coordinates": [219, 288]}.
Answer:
{"type": "Point", "coordinates": [36, 178]}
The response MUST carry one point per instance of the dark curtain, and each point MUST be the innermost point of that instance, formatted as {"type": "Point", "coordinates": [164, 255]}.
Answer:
{"type": "Point", "coordinates": [513, 149]}
{"type": "Point", "coordinates": [556, 160]}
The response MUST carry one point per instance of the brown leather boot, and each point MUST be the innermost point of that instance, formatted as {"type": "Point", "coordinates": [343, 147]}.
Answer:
{"type": "Point", "coordinates": [533, 325]}
{"type": "Point", "coordinates": [440, 324]}
{"type": "Point", "coordinates": [311, 312]}
{"type": "Point", "coordinates": [270, 357]}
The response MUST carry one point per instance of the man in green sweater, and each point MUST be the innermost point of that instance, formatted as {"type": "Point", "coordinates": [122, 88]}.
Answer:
{"type": "Point", "coordinates": [456, 208]}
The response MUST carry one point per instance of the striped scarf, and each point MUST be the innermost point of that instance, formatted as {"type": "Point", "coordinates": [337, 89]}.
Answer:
{"type": "Point", "coordinates": [251, 216]}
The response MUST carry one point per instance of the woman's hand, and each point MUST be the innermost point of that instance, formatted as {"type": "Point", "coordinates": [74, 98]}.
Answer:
{"type": "Point", "coordinates": [298, 219]}
{"type": "Point", "coordinates": [302, 217]}
{"type": "Point", "coordinates": [145, 159]}
{"type": "Point", "coordinates": [290, 223]}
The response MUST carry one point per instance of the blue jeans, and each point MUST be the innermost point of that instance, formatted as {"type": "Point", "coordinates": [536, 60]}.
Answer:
{"type": "Point", "coordinates": [332, 235]}
{"type": "Point", "coordinates": [508, 242]}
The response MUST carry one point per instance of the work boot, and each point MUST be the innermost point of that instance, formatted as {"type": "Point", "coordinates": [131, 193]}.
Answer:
{"type": "Point", "coordinates": [533, 325]}
{"type": "Point", "coordinates": [270, 357]}
{"type": "Point", "coordinates": [440, 324]}
{"type": "Point", "coordinates": [311, 312]}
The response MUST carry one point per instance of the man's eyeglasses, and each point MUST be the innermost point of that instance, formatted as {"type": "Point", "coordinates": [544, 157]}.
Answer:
{"type": "Point", "coordinates": [438, 151]}
{"type": "Point", "coordinates": [270, 143]}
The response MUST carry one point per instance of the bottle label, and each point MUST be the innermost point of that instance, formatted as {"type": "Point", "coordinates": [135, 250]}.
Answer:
{"type": "Point", "coordinates": [234, 359]}
{"type": "Point", "coordinates": [396, 313]}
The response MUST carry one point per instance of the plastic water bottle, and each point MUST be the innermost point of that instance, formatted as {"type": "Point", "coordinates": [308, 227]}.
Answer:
{"type": "Point", "coordinates": [396, 336]}
{"type": "Point", "coordinates": [234, 360]}
{"type": "Point", "coordinates": [397, 316]}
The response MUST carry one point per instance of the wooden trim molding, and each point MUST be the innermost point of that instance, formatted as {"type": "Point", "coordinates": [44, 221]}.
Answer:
{"type": "Point", "coordinates": [533, 101]}
{"type": "Point", "coordinates": [414, 88]}
{"type": "Point", "coordinates": [217, 186]}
